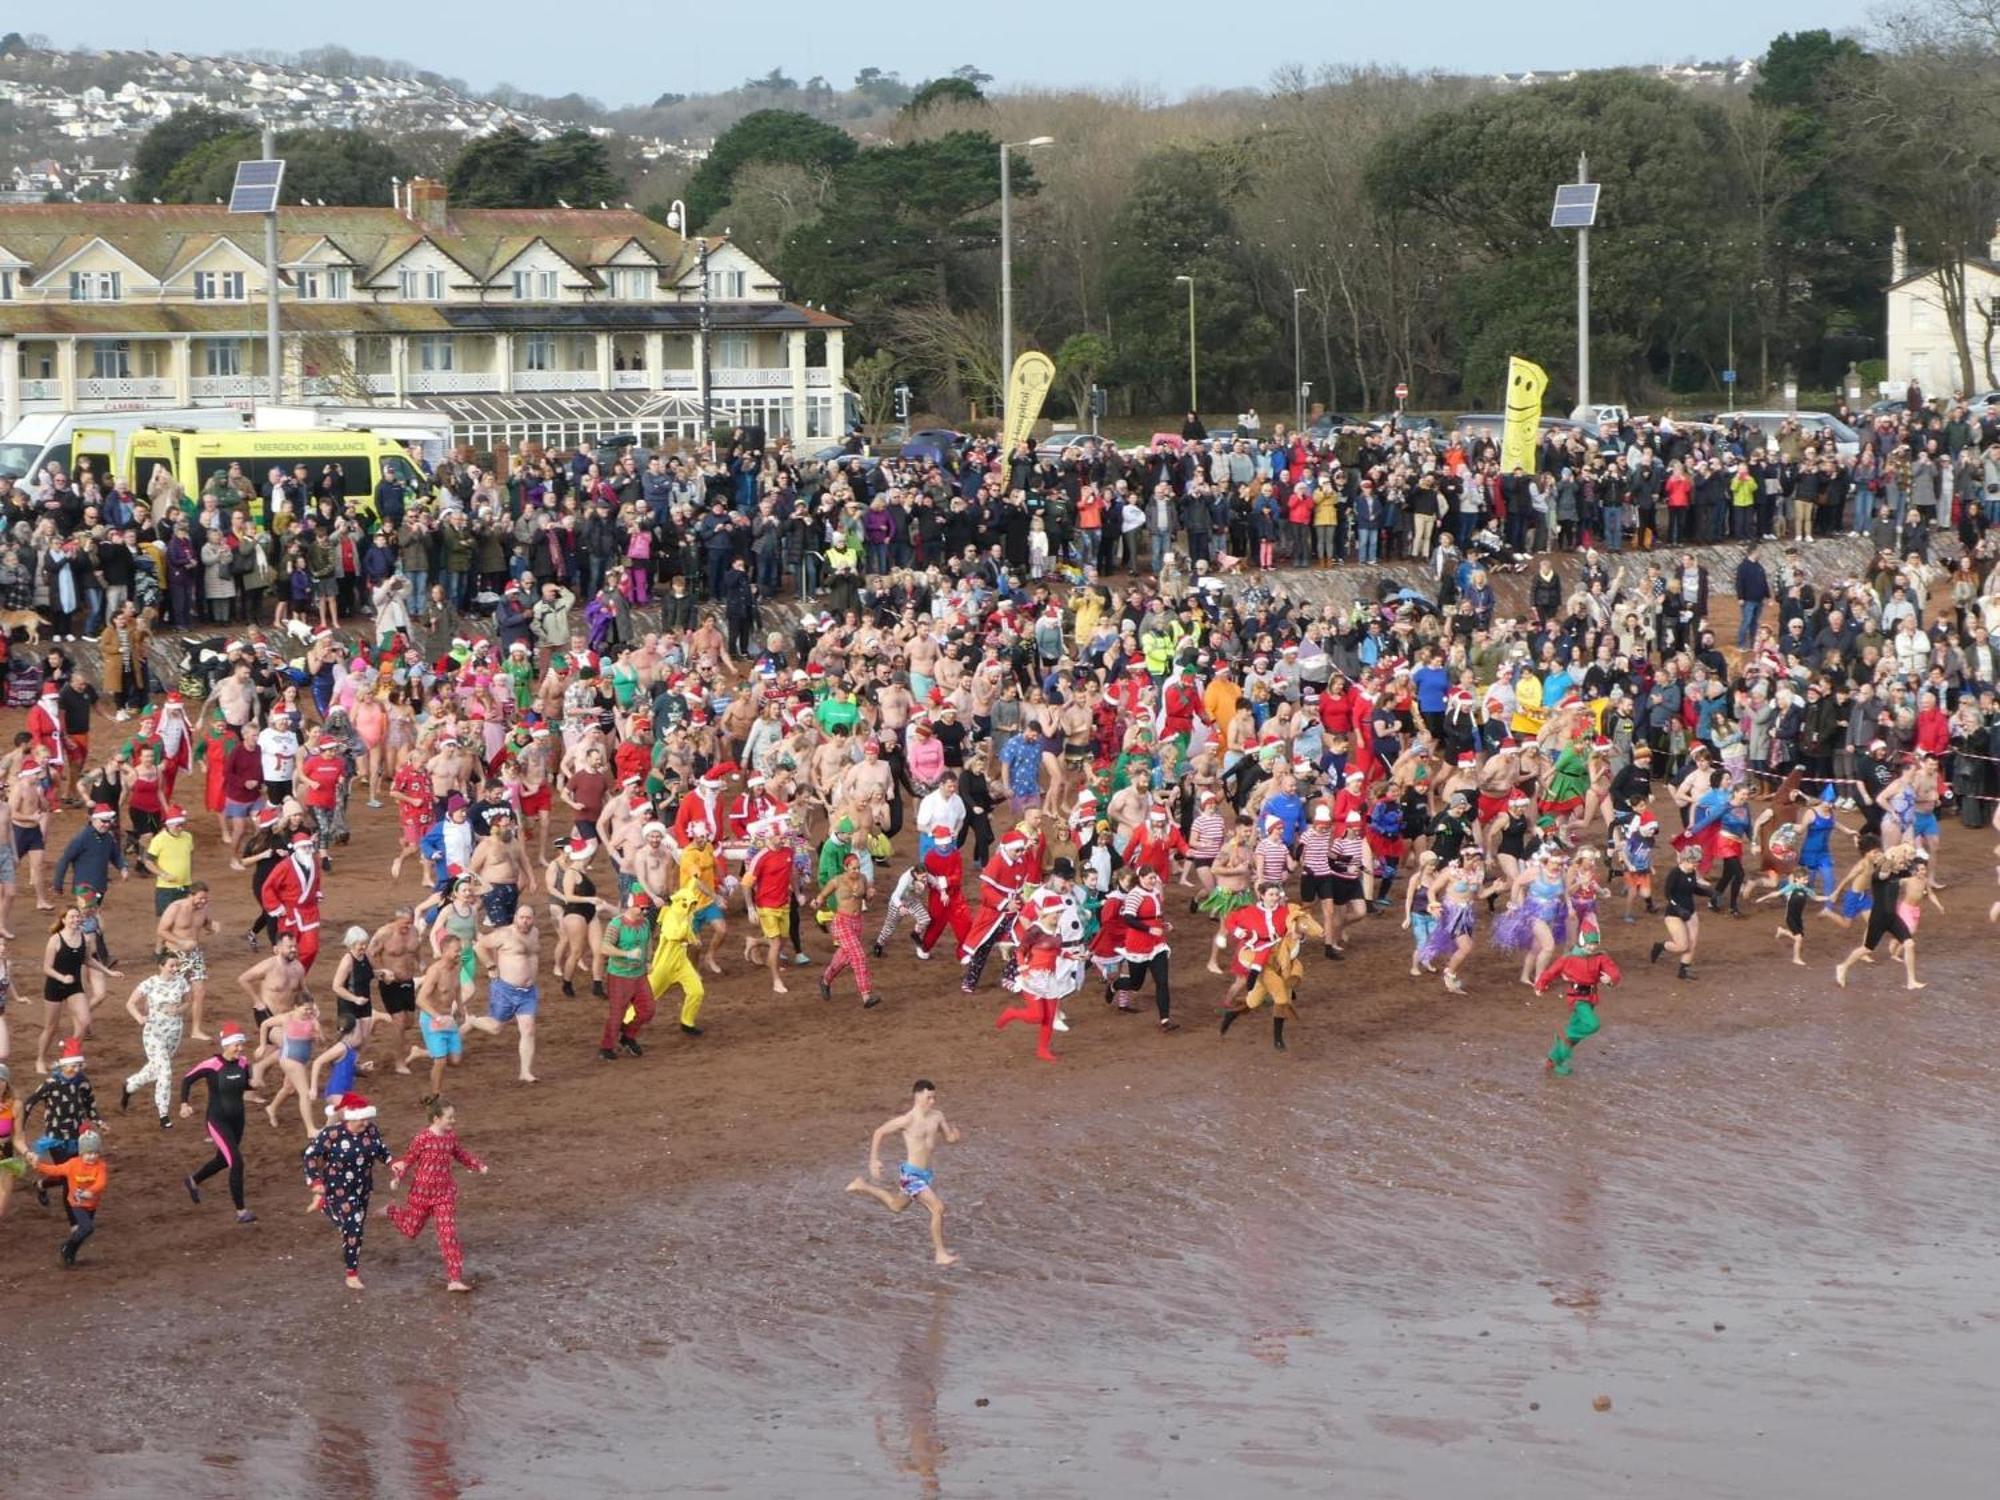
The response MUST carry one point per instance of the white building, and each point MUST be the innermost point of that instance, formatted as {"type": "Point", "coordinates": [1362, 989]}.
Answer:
{"type": "Point", "coordinates": [517, 324]}
{"type": "Point", "coordinates": [1921, 343]}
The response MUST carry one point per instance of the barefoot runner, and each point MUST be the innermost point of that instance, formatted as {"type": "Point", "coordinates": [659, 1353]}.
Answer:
{"type": "Point", "coordinates": [924, 1127]}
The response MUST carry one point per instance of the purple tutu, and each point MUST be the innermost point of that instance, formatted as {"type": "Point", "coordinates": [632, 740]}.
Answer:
{"type": "Point", "coordinates": [1515, 931]}
{"type": "Point", "coordinates": [1453, 923]}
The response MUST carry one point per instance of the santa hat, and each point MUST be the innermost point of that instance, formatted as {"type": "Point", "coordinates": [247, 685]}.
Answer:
{"type": "Point", "coordinates": [1354, 817]}
{"type": "Point", "coordinates": [1508, 742]}
{"type": "Point", "coordinates": [72, 1054]}
{"type": "Point", "coordinates": [1322, 815]}
{"type": "Point", "coordinates": [1468, 758]}
{"type": "Point", "coordinates": [652, 828]}
{"type": "Point", "coordinates": [101, 811]}
{"type": "Point", "coordinates": [581, 848]}
{"type": "Point", "coordinates": [232, 1036]}
{"type": "Point", "coordinates": [1015, 839]}
{"type": "Point", "coordinates": [266, 816]}
{"type": "Point", "coordinates": [355, 1107]}
{"type": "Point", "coordinates": [175, 699]}
{"type": "Point", "coordinates": [176, 814]}
{"type": "Point", "coordinates": [302, 837]}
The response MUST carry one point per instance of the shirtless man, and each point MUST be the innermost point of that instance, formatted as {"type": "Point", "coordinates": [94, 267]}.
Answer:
{"type": "Point", "coordinates": [499, 863]}
{"type": "Point", "coordinates": [274, 983]}
{"type": "Point", "coordinates": [924, 1127]}
{"type": "Point", "coordinates": [396, 954]}
{"type": "Point", "coordinates": [1497, 780]}
{"type": "Point", "coordinates": [451, 768]}
{"type": "Point", "coordinates": [29, 809]}
{"type": "Point", "coordinates": [181, 928]}
{"type": "Point", "coordinates": [237, 695]}
{"type": "Point", "coordinates": [442, 1015]}
{"type": "Point", "coordinates": [536, 793]}
{"type": "Point", "coordinates": [830, 761]}
{"type": "Point", "coordinates": [513, 955]}
{"type": "Point", "coordinates": [867, 785]}
{"type": "Point", "coordinates": [654, 865]}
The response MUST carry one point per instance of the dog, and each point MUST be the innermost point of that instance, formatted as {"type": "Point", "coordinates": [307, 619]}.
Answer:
{"type": "Point", "coordinates": [27, 619]}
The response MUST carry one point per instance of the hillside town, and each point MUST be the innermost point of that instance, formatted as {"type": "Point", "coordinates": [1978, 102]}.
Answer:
{"type": "Point", "coordinates": [70, 122]}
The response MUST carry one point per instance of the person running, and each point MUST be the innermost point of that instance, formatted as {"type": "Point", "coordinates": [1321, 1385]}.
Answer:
{"type": "Point", "coordinates": [1585, 970]}
{"type": "Point", "coordinates": [847, 894]}
{"type": "Point", "coordinates": [1795, 891]}
{"type": "Point", "coordinates": [671, 965]}
{"type": "Point", "coordinates": [159, 1004]}
{"type": "Point", "coordinates": [228, 1078]}
{"type": "Point", "coordinates": [440, 1007]}
{"type": "Point", "coordinates": [1684, 886]}
{"type": "Point", "coordinates": [629, 1006]}
{"type": "Point", "coordinates": [1884, 871]}
{"type": "Point", "coordinates": [514, 956]}
{"type": "Point", "coordinates": [84, 1177]}
{"type": "Point", "coordinates": [340, 1169]}
{"type": "Point", "coordinates": [353, 978]}
{"type": "Point", "coordinates": [181, 929]}
{"type": "Point", "coordinates": [923, 1128]}
{"type": "Point", "coordinates": [433, 1196]}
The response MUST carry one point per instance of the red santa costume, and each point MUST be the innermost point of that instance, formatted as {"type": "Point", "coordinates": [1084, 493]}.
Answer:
{"type": "Point", "coordinates": [1007, 872]}
{"type": "Point", "coordinates": [292, 893]}
{"type": "Point", "coordinates": [176, 742]}
{"type": "Point", "coordinates": [1254, 932]}
{"type": "Point", "coordinates": [1156, 844]}
{"type": "Point", "coordinates": [1047, 973]}
{"type": "Point", "coordinates": [702, 805]}
{"type": "Point", "coordinates": [945, 900]}
{"type": "Point", "coordinates": [45, 727]}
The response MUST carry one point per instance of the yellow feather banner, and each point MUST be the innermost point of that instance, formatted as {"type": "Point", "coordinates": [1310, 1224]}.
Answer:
{"type": "Point", "coordinates": [1525, 383]}
{"type": "Point", "coordinates": [1027, 388]}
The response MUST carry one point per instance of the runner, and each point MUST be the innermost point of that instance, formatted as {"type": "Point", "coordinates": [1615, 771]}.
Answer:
{"type": "Point", "coordinates": [924, 1128]}
{"type": "Point", "coordinates": [629, 1007]}
{"type": "Point", "coordinates": [433, 1196]}
{"type": "Point", "coordinates": [180, 930]}
{"type": "Point", "coordinates": [340, 1171]}
{"type": "Point", "coordinates": [847, 894]}
{"type": "Point", "coordinates": [513, 954]}
{"type": "Point", "coordinates": [228, 1078]}
{"type": "Point", "coordinates": [159, 1004]}
{"type": "Point", "coordinates": [1585, 970]}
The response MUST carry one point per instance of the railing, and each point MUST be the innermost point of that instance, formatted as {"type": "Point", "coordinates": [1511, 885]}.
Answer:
{"type": "Point", "coordinates": [631, 380]}
{"type": "Point", "coordinates": [41, 390]}
{"type": "Point", "coordinates": [222, 385]}
{"type": "Point", "coordinates": [555, 380]}
{"type": "Point", "coordinates": [124, 388]}
{"type": "Point", "coordinates": [381, 385]}
{"type": "Point", "coordinates": [819, 377]}
{"type": "Point", "coordinates": [679, 380]}
{"type": "Point", "coordinates": [442, 382]}
{"type": "Point", "coordinates": [765, 378]}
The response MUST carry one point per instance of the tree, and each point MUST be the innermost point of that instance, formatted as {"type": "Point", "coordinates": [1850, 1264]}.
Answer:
{"type": "Point", "coordinates": [958, 351]}
{"type": "Point", "coordinates": [508, 170]}
{"type": "Point", "coordinates": [347, 167]}
{"type": "Point", "coordinates": [1177, 222]}
{"type": "Point", "coordinates": [776, 82]}
{"type": "Point", "coordinates": [770, 200]}
{"type": "Point", "coordinates": [953, 90]}
{"type": "Point", "coordinates": [1082, 358]}
{"type": "Point", "coordinates": [881, 90]}
{"type": "Point", "coordinates": [873, 379]}
{"type": "Point", "coordinates": [768, 135]}
{"type": "Point", "coordinates": [971, 74]}
{"type": "Point", "coordinates": [165, 146]}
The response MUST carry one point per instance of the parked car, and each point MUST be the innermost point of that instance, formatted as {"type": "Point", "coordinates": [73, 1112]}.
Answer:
{"type": "Point", "coordinates": [1820, 428]}
{"type": "Point", "coordinates": [935, 445]}
{"type": "Point", "coordinates": [1090, 442]}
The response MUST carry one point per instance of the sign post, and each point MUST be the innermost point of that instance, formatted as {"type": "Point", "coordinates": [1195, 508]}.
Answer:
{"type": "Point", "coordinates": [1576, 208]}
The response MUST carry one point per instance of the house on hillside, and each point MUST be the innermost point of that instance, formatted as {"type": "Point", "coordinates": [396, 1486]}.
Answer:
{"type": "Point", "coordinates": [1931, 311]}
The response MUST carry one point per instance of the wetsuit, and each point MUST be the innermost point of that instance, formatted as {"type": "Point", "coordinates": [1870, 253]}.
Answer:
{"type": "Point", "coordinates": [1883, 918]}
{"type": "Point", "coordinates": [228, 1081]}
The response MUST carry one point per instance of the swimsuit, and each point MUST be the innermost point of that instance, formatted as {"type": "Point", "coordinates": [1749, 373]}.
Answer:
{"type": "Point", "coordinates": [505, 1001]}
{"type": "Point", "coordinates": [916, 1181]}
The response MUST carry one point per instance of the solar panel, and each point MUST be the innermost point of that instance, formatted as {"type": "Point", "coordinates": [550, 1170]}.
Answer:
{"type": "Point", "coordinates": [256, 187]}
{"type": "Point", "coordinates": [1576, 206]}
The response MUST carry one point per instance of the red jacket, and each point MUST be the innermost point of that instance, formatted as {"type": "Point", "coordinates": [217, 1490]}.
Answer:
{"type": "Point", "coordinates": [293, 898]}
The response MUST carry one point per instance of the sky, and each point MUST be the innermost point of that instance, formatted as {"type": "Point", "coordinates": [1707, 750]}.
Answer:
{"type": "Point", "coordinates": [1170, 47]}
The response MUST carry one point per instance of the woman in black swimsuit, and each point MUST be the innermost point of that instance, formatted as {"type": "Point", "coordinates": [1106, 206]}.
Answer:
{"type": "Point", "coordinates": [579, 925]}
{"type": "Point", "coordinates": [64, 963]}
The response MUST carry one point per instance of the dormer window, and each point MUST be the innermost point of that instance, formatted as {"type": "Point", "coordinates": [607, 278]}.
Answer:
{"type": "Point", "coordinates": [94, 286]}
{"type": "Point", "coordinates": [218, 286]}
{"type": "Point", "coordinates": [534, 286]}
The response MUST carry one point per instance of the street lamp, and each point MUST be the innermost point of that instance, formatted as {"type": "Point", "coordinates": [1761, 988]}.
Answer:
{"type": "Point", "coordinates": [1298, 369]}
{"type": "Point", "coordinates": [1194, 399]}
{"type": "Point", "coordinates": [1007, 252]}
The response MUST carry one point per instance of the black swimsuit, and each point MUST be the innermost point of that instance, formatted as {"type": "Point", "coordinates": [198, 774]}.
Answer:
{"type": "Point", "coordinates": [582, 899]}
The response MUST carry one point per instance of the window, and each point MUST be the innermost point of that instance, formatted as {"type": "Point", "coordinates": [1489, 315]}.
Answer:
{"type": "Point", "coordinates": [93, 286]}
{"type": "Point", "coordinates": [632, 285]}
{"type": "Point", "coordinates": [434, 352]}
{"type": "Point", "coordinates": [110, 359]}
{"type": "Point", "coordinates": [218, 286]}
{"type": "Point", "coordinates": [6, 286]}
{"type": "Point", "coordinates": [534, 286]}
{"type": "Point", "coordinates": [538, 352]}
{"type": "Point", "coordinates": [221, 357]}
{"type": "Point", "coordinates": [420, 286]}
{"type": "Point", "coordinates": [732, 351]}
{"type": "Point", "coordinates": [323, 283]}
{"type": "Point", "coordinates": [726, 286]}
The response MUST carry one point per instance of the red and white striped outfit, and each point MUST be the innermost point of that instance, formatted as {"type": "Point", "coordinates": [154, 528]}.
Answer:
{"type": "Point", "coordinates": [1205, 835]}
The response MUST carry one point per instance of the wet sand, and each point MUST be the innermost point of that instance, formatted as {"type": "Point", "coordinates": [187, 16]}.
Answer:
{"type": "Point", "coordinates": [1398, 1260]}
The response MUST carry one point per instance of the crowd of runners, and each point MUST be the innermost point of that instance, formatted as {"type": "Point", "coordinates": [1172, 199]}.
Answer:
{"type": "Point", "coordinates": [1041, 786]}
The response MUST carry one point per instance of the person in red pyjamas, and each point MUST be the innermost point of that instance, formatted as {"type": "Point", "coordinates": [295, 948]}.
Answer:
{"type": "Point", "coordinates": [433, 1190]}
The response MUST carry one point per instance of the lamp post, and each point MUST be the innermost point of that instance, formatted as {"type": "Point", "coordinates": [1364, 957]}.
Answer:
{"type": "Point", "coordinates": [1298, 368]}
{"type": "Point", "coordinates": [1007, 253]}
{"type": "Point", "coordinates": [1194, 396]}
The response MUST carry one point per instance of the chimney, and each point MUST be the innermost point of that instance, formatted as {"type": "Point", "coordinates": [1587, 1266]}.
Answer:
{"type": "Point", "coordinates": [1899, 256]}
{"type": "Point", "coordinates": [427, 203]}
{"type": "Point", "coordinates": [1993, 245]}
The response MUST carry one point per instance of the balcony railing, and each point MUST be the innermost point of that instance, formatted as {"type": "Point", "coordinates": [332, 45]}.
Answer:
{"type": "Point", "coordinates": [124, 388]}
{"type": "Point", "coordinates": [444, 382]}
{"type": "Point", "coordinates": [780, 376]}
{"type": "Point", "coordinates": [555, 380]}
{"type": "Point", "coordinates": [41, 390]}
{"type": "Point", "coordinates": [631, 380]}
{"type": "Point", "coordinates": [381, 385]}
{"type": "Point", "coordinates": [679, 380]}
{"type": "Point", "coordinates": [214, 386]}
